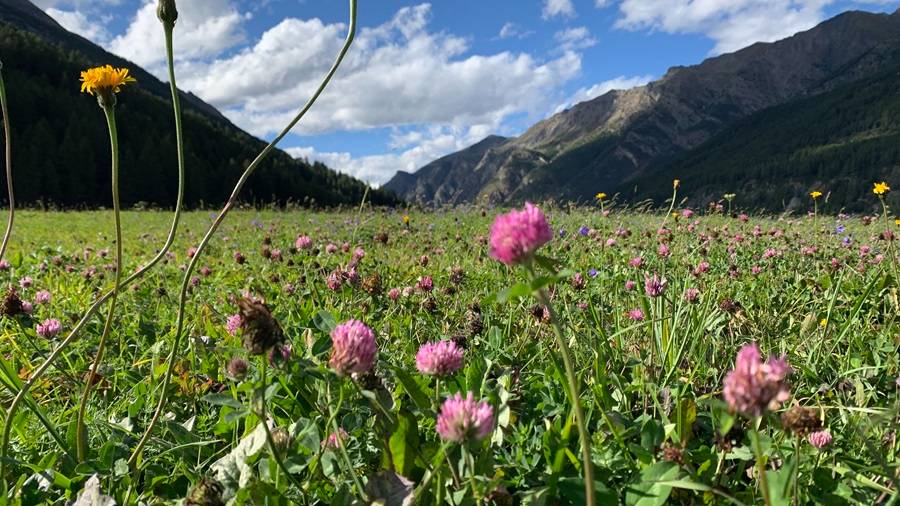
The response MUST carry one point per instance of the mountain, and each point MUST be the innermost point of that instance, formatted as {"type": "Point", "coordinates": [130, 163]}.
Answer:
{"type": "Point", "coordinates": [622, 137]}
{"type": "Point", "coordinates": [60, 143]}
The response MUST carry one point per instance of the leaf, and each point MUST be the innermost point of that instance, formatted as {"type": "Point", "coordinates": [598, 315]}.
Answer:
{"type": "Point", "coordinates": [324, 321]}
{"type": "Point", "coordinates": [222, 400]}
{"type": "Point", "coordinates": [390, 489]}
{"type": "Point", "coordinates": [415, 391]}
{"type": "Point", "coordinates": [232, 470]}
{"type": "Point", "coordinates": [403, 443]}
{"type": "Point", "coordinates": [650, 489]}
{"type": "Point", "coordinates": [572, 489]}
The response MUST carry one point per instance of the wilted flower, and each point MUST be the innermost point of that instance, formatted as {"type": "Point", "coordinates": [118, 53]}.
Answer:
{"type": "Point", "coordinates": [261, 331]}
{"type": "Point", "coordinates": [49, 329]}
{"type": "Point", "coordinates": [26, 282]}
{"type": "Point", "coordinates": [439, 359]}
{"type": "Point", "coordinates": [335, 280]}
{"type": "Point", "coordinates": [353, 348]}
{"type": "Point", "coordinates": [578, 281]}
{"type": "Point", "coordinates": [207, 492]}
{"type": "Point", "coordinates": [515, 236]}
{"type": "Point", "coordinates": [465, 419]}
{"type": "Point", "coordinates": [753, 386]}
{"type": "Point", "coordinates": [11, 305]}
{"type": "Point", "coordinates": [237, 368]}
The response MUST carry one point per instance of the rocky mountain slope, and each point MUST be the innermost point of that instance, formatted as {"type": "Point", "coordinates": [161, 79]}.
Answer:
{"type": "Point", "coordinates": [613, 140]}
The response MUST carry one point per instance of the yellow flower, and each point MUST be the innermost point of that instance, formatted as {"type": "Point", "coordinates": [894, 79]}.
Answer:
{"type": "Point", "coordinates": [815, 194]}
{"type": "Point", "coordinates": [104, 79]}
{"type": "Point", "coordinates": [406, 219]}
{"type": "Point", "coordinates": [676, 184]}
{"type": "Point", "coordinates": [823, 322]}
{"type": "Point", "coordinates": [897, 222]}
{"type": "Point", "coordinates": [600, 196]}
{"type": "Point", "coordinates": [881, 188]}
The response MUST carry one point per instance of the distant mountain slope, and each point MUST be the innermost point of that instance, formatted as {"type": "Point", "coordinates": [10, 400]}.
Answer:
{"type": "Point", "coordinates": [60, 144]}
{"type": "Point", "coordinates": [839, 142]}
{"type": "Point", "coordinates": [616, 138]}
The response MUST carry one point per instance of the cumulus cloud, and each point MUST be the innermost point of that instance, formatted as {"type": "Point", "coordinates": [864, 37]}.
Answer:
{"type": "Point", "coordinates": [575, 38]}
{"type": "Point", "coordinates": [591, 92]}
{"type": "Point", "coordinates": [732, 24]}
{"type": "Point", "coordinates": [77, 22]}
{"type": "Point", "coordinates": [513, 30]}
{"type": "Point", "coordinates": [412, 151]}
{"type": "Point", "coordinates": [206, 28]}
{"type": "Point", "coordinates": [560, 8]}
{"type": "Point", "coordinates": [398, 73]}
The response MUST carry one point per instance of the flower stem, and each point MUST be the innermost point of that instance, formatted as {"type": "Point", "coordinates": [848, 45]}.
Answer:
{"type": "Point", "coordinates": [232, 201]}
{"type": "Point", "coordinates": [574, 394]}
{"type": "Point", "coordinates": [265, 423]}
{"type": "Point", "coordinates": [80, 437]}
{"type": "Point", "coordinates": [73, 334]}
{"type": "Point", "coordinates": [7, 134]}
{"type": "Point", "coordinates": [760, 464]}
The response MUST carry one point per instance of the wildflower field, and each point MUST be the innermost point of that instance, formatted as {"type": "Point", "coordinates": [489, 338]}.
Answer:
{"type": "Point", "coordinates": [395, 359]}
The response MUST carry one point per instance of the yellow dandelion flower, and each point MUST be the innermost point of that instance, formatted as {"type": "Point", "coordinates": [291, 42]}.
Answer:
{"type": "Point", "coordinates": [406, 219]}
{"type": "Point", "coordinates": [881, 188]}
{"type": "Point", "coordinates": [600, 196]}
{"type": "Point", "coordinates": [815, 194]}
{"type": "Point", "coordinates": [104, 79]}
{"type": "Point", "coordinates": [897, 222]}
{"type": "Point", "coordinates": [676, 184]}
{"type": "Point", "coordinates": [823, 322]}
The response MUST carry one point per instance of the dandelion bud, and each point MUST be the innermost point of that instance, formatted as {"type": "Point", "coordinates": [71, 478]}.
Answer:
{"type": "Point", "coordinates": [166, 12]}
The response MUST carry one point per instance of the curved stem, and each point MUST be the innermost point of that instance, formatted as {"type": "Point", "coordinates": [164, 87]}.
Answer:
{"type": "Point", "coordinates": [232, 201]}
{"type": "Point", "coordinates": [574, 394]}
{"type": "Point", "coordinates": [73, 334]}
{"type": "Point", "coordinates": [265, 423]}
{"type": "Point", "coordinates": [80, 438]}
{"type": "Point", "coordinates": [7, 133]}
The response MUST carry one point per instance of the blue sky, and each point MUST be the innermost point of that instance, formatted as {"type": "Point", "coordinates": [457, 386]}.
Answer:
{"type": "Point", "coordinates": [426, 79]}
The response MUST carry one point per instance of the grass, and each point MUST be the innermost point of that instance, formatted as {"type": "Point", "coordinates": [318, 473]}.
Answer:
{"type": "Point", "coordinates": [651, 389]}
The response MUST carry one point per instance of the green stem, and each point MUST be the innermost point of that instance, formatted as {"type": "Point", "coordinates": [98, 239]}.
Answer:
{"type": "Point", "coordinates": [761, 464]}
{"type": "Point", "coordinates": [574, 394]}
{"type": "Point", "coordinates": [232, 201]}
{"type": "Point", "coordinates": [73, 334]}
{"type": "Point", "coordinates": [7, 133]}
{"type": "Point", "coordinates": [342, 450]}
{"type": "Point", "coordinates": [80, 437]}
{"type": "Point", "coordinates": [265, 423]}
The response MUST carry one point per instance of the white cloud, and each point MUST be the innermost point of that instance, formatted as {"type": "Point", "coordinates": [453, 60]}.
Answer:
{"type": "Point", "coordinates": [562, 8]}
{"type": "Point", "coordinates": [602, 3]}
{"type": "Point", "coordinates": [732, 24]}
{"type": "Point", "coordinates": [513, 30]}
{"type": "Point", "coordinates": [205, 28]}
{"type": "Point", "coordinates": [397, 74]}
{"type": "Point", "coordinates": [78, 22]}
{"type": "Point", "coordinates": [589, 93]}
{"type": "Point", "coordinates": [571, 39]}
{"type": "Point", "coordinates": [421, 148]}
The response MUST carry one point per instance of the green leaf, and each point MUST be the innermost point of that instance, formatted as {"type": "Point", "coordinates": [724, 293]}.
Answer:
{"type": "Point", "coordinates": [324, 321]}
{"type": "Point", "coordinates": [222, 400]}
{"type": "Point", "coordinates": [651, 488]}
{"type": "Point", "coordinates": [404, 442]}
{"type": "Point", "coordinates": [412, 387]}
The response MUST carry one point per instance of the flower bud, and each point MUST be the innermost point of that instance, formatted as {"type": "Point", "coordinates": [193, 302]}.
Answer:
{"type": "Point", "coordinates": [166, 12]}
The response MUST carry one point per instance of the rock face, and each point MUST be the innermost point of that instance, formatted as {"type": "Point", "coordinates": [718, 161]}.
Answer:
{"type": "Point", "coordinates": [605, 143]}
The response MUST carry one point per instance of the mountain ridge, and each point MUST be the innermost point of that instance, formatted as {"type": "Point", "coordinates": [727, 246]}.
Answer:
{"type": "Point", "coordinates": [603, 143]}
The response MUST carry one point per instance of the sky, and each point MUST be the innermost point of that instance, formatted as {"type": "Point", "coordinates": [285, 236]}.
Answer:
{"type": "Point", "coordinates": [426, 79]}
